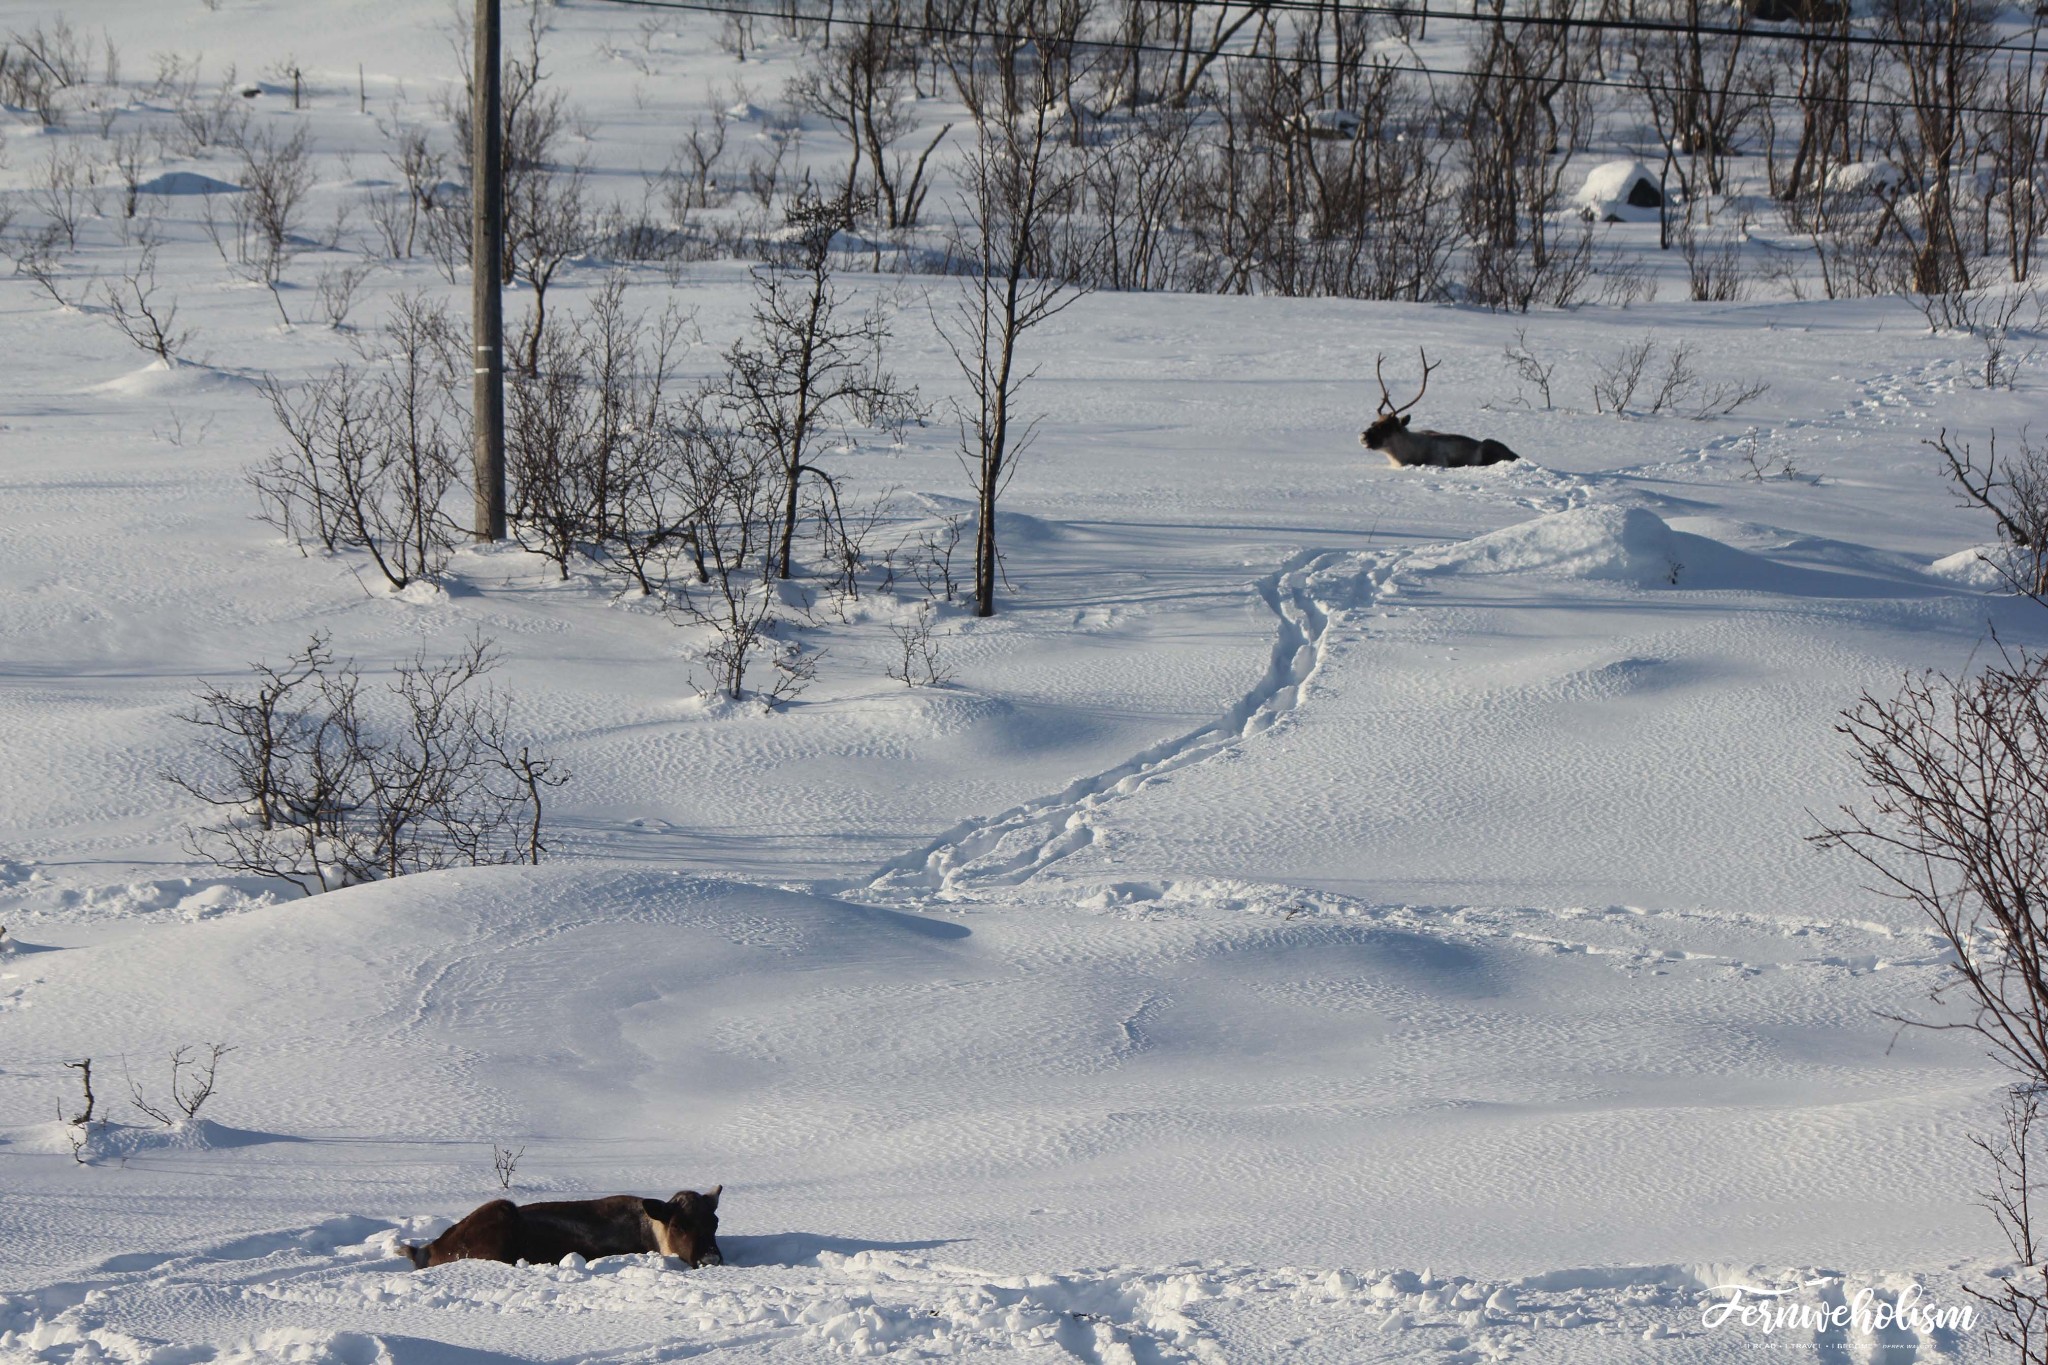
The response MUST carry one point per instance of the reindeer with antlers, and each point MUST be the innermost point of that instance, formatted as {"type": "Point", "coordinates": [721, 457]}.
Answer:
{"type": "Point", "coordinates": [1389, 433]}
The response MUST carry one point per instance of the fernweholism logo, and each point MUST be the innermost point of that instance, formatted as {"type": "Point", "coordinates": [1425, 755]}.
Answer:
{"type": "Point", "coordinates": [1759, 1309]}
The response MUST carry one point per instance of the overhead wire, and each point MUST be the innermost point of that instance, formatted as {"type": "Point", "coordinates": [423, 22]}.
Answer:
{"type": "Point", "coordinates": [939, 30]}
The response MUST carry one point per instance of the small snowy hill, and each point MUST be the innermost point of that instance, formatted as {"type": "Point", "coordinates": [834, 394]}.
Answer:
{"type": "Point", "coordinates": [1228, 1079]}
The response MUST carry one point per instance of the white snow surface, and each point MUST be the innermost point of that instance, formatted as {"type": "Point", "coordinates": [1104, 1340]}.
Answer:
{"type": "Point", "coordinates": [1334, 914]}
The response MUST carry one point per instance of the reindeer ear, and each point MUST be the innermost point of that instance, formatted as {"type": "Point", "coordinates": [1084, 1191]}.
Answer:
{"type": "Point", "coordinates": [712, 1194]}
{"type": "Point", "coordinates": [1404, 421]}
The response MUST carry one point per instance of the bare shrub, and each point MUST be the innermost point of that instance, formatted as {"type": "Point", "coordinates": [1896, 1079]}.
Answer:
{"type": "Point", "coordinates": [590, 443]}
{"type": "Point", "coordinates": [1761, 465]}
{"type": "Point", "coordinates": [504, 1164]}
{"type": "Point", "coordinates": [131, 158]}
{"type": "Point", "coordinates": [191, 1086]}
{"type": "Point", "coordinates": [336, 288]}
{"type": "Point", "coordinates": [917, 661]}
{"type": "Point", "coordinates": [2014, 490]}
{"type": "Point", "coordinates": [1529, 369]}
{"type": "Point", "coordinates": [36, 256]}
{"type": "Point", "coordinates": [144, 316]}
{"type": "Point", "coordinates": [66, 189]}
{"type": "Point", "coordinates": [373, 449]}
{"type": "Point", "coordinates": [276, 176]}
{"type": "Point", "coordinates": [1615, 384]}
{"type": "Point", "coordinates": [737, 481]}
{"type": "Point", "coordinates": [931, 560]}
{"type": "Point", "coordinates": [1955, 771]}
{"type": "Point", "coordinates": [1713, 270]}
{"type": "Point", "coordinates": [807, 366]}
{"type": "Point", "coordinates": [220, 119]}
{"type": "Point", "coordinates": [78, 1127]}
{"type": "Point", "coordinates": [1677, 389]}
{"type": "Point", "coordinates": [51, 62]}
{"type": "Point", "coordinates": [84, 1070]}
{"type": "Point", "coordinates": [319, 782]}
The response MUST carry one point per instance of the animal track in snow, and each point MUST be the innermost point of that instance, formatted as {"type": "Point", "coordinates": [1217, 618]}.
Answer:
{"type": "Point", "coordinates": [1012, 847]}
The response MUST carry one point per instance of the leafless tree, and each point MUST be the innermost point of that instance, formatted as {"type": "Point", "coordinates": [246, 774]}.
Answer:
{"type": "Point", "coordinates": [1519, 111]}
{"type": "Point", "coordinates": [1701, 86]}
{"type": "Point", "coordinates": [807, 365]}
{"type": "Point", "coordinates": [535, 117]}
{"type": "Point", "coordinates": [2016, 162]}
{"type": "Point", "coordinates": [422, 170]}
{"type": "Point", "coordinates": [550, 225]}
{"type": "Point", "coordinates": [1938, 74]}
{"type": "Point", "coordinates": [1020, 183]}
{"type": "Point", "coordinates": [2020, 1299]}
{"type": "Point", "coordinates": [860, 83]}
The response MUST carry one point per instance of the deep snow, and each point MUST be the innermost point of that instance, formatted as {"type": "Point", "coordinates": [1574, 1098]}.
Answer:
{"type": "Point", "coordinates": [1335, 913]}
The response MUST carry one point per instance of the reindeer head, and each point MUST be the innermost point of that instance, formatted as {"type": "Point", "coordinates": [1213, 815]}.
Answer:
{"type": "Point", "coordinates": [689, 1228]}
{"type": "Point", "coordinates": [1390, 418]}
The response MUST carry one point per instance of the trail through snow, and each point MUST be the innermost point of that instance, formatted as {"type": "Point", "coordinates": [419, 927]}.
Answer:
{"type": "Point", "coordinates": [1012, 847]}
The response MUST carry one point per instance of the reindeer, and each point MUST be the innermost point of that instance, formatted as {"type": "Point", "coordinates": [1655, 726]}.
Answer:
{"type": "Point", "coordinates": [684, 1225]}
{"type": "Point", "coordinates": [1389, 433]}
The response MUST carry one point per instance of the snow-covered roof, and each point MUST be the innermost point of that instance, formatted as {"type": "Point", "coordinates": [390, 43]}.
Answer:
{"type": "Point", "coordinates": [1620, 192]}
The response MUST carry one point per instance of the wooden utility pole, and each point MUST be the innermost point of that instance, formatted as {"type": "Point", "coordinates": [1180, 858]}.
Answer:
{"type": "Point", "coordinates": [487, 268]}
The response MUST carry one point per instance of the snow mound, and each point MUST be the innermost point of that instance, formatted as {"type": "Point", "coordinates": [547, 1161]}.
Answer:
{"type": "Point", "coordinates": [1618, 544]}
{"type": "Point", "coordinates": [159, 379]}
{"type": "Point", "coordinates": [1978, 567]}
{"type": "Point", "coordinates": [1619, 192]}
{"type": "Point", "coordinates": [186, 182]}
{"type": "Point", "coordinates": [1864, 177]}
{"type": "Point", "coordinates": [106, 1141]}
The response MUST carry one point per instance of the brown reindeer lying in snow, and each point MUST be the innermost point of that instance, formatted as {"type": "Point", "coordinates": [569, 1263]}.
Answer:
{"type": "Point", "coordinates": [684, 1225]}
{"type": "Point", "coordinates": [1389, 434]}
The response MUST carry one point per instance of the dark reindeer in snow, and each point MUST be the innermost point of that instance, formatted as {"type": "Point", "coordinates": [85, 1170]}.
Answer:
{"type": "Point", "coordinates": [1389, 434]}
{"type": "Point", "coordinates": [684, 1225]}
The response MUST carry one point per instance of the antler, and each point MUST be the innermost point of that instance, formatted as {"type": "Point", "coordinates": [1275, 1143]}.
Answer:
{"type": "Point", "coordinates": [1387, 408]}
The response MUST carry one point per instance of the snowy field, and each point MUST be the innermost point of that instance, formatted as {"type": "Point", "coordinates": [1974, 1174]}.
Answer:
{"type": "Point", "coordinates": [1333, 914]}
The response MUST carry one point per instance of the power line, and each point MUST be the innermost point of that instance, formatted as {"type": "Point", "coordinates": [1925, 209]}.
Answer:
{"type": "Point", "coordinates": [935, 30]}
{"type": "Point", "coordinates": [1830, 37]}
